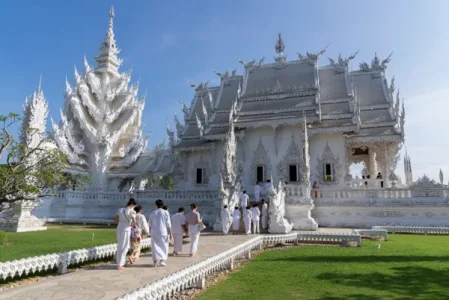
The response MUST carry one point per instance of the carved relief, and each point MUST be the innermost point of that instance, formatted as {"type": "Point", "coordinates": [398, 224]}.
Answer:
{"type": "Point", "coordinates": [328, 157]}
{"type": "Point", "coordinates": [260, 158]}
{"type": "Point", "coordinates": [292, 157]}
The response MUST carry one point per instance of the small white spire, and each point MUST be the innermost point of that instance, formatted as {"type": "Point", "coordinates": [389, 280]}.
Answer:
{"type": "Point", "coordinates": [107, 60]}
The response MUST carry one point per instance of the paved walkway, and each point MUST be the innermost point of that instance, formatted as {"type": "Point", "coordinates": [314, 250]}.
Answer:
{"type": "Point", "coordinates": [107, 283]}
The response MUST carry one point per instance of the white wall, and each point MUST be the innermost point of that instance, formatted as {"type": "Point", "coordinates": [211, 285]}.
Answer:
{"type": "Point", "coordinates": [317, 143]}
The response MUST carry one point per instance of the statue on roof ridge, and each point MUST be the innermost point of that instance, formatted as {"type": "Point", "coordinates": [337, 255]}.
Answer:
{"type": "Point", "coordinates": [233, 73]}
{"type": "Point", "coordinates": [252, 63]}
{"type": "Point", "coordinates": [392, 87]}
{"type": "Point", "coordinates": [343, 62]}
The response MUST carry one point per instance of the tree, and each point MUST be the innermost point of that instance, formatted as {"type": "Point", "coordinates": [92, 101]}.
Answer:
{"type": "Point", "coordinates": [166, 183]}
{"type": "Point", "coordinates": [32, 169]}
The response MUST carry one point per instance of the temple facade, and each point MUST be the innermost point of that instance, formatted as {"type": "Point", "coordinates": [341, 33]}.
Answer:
{"type": "Point", "coordinates": [351, 117]}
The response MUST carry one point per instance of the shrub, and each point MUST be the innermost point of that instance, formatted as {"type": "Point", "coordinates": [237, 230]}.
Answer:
{"type": "Point", "coordinates": [3, 238]}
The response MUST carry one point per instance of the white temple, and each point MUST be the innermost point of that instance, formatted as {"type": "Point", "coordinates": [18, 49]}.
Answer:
{"type": "Point", "coordinates": [296, 122]}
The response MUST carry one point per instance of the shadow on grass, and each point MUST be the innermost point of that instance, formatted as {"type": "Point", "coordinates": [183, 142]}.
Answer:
{"type": "Point", "coordinates": [411, 282]}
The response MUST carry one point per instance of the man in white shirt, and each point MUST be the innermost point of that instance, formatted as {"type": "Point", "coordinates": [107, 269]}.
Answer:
{"type": "Point", "coordinates": [268, 188]}
{"type": "Point", "coordinates": [255, 213]}
{"type": "Point", "coordinates": [264, 215]}
{"type": "Point", "coordinates": [161, 234]}
{"type": "Point", "coordinates": [247, 217]}
{"type": "Point", "coordinates": [225, 219]}
{"type": "Point", "coordinates": [178, 223]}
{"type": "Point", "coordinates": [257, 192]}
{"type": "Point", "coordinates": [236, 220]}
{"type": "Point", "coordinates": [244, 200]}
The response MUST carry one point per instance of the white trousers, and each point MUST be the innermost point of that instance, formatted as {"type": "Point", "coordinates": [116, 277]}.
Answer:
{"type": "Point", "coordinates": [256, 226]}
{"type": "Point", "coordinates": [177, 240]}
{"type": "Point", "coordinates": [159, 247]}
{"type": "Point", "coordinates": [236, 224]}
{"type": "Point", "coordinates": [264, 221]}
{"type": "Point", "coordinates": [257, 197]}
{"type": "Point", "coordinates": [123, 243]}
{"type": "Point", "coordinates": [225, 225]}
{"type": "Point", "coordinates": [247, 226]}
{"type": "Point", "coordinates": [194, 235]}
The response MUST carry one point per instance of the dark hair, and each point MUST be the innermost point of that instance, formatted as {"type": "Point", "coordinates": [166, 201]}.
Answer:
{"type": "Point", "coordinates": [159, 203]}
{"type": "Point", "coordinates": [193, 206]}
{"type": "Point", "coordinates": [236, 207]}
{"type": "Point", "coordinates": [248, 207]}
{"type": "Point", "coordinates": [255, 205]}
{"type": "Point", "coordinates": [137, 208]}
{"type": "Point", "coordinates": [244, 192]}
{"type": "Point", "coordinates": [131, 201]}
{"type": "Point", "coordinates": [165, 207]}
{"type": "Point", "coordinates": [181, 209]}
{"type": "Point", "coordinates": [225, 206]}
{"type": "Point", "coordinates": [263, 200]}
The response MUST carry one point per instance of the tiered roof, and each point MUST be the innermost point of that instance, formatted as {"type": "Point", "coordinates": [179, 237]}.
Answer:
{"type": "Point", "coordinates": [332, 98]}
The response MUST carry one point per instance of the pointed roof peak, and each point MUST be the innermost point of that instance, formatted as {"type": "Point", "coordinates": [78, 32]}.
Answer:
{"type": "Point", "coordinates": [280, 46]}
{"type": "Point", "coordinates": [107, 60]}
{"type": "Point", "coordinates": [39, 87]}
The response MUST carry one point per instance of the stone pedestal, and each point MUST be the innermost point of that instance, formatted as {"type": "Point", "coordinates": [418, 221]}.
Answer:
{"type": "Point", "coordinates": [300, 214]}
{"type": "Point", "coordinates": [18, 217]}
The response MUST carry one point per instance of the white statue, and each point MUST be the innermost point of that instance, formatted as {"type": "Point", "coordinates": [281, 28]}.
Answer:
{"type": "Point", "coordinates": [277, 222]}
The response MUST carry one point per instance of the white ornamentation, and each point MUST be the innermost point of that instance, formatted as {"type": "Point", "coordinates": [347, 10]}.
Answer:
{"type": "Point", "coordinates": [328, 157]}
{"type": "Point", "coordinates": [102, 113]}
{"type": "Point", "coordinates": [292, 157]}
{"type": "Point", "coordinates": [18, 218]}
{"type": "Point", "coordinates": [277, 221]}
{"type": "Point", "coordinates": [260, 158]}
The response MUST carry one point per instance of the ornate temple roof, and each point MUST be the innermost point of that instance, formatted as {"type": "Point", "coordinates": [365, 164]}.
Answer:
{"type": "Point", "coordinates": [283, 92]}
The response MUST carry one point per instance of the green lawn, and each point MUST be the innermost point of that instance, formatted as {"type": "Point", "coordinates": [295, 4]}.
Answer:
{"type": "Point", "coordinates": [406, 267]}
{"type": "Point", "coordinates": [57, 238]}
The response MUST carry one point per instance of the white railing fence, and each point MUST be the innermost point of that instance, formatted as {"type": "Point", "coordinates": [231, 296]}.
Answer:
{"type": "Point", "coordinates": [32, 265]}
{"type": "Point", "coordinates": [414, 229]}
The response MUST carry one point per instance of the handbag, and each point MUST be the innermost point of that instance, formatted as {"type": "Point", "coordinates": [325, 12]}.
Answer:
{"type": "Point", "coordinates": [201, 226]}
{"type": "Point", "coordinates": [116, 219]}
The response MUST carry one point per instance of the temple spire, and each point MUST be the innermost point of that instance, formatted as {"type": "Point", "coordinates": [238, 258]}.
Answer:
{"type": "Point", "coordinates": [280, 46]}
{"type": "Point", "coordinates": [107, 60]}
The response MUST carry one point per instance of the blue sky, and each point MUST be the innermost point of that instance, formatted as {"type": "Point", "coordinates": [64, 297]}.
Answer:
{"type": "Point", "coordinates": [168, 43]}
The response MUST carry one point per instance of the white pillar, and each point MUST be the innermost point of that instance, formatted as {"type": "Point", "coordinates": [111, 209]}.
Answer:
{"type": "Point", "coordinates": [372, 163]}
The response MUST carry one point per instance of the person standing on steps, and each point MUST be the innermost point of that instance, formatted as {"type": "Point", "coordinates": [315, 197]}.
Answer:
{"type": "Point", "coordinates": [160, 234]}
{"type": "Point", "coordinates": [264, 215]}
{"type": "Point", "coordinates": [193, 220]}
{"type": "Point", "coordinates": [257, 192]}
{"type": "Point", "coordinates": [244, 200]}
{"type": "Point", "coordinates": [247, 217]}
{"type": "Point", "coordinates": [236, 219]}
{"type": "Point", "coordinates": [179, 227]}
{"type": "Point", "coordinates": [126, 217]}
{"type": "Point", "coordinates": [255, 214]}
{"type": "Point", "coordinates": [268, 188]}
{"type": "Point", "coordinates": [225, 219]}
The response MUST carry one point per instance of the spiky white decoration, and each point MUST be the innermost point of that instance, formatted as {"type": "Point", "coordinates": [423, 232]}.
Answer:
{"type": "Point", "coordinates": [100, 126]}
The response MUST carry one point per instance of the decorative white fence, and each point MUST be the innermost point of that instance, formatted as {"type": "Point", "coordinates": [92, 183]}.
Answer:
{"type": "Point", "coordinates": [373, 233]}
{"type": "Point", "coordinates": [334, 238]}
{"type": "Point", "coordinates": [62, 261]}
{"type": "Point", "coordinates": [80, 221]}
{"type": "Point", "coordinates": [414, 230]}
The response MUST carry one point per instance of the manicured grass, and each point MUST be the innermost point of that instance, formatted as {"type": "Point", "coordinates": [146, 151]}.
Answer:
{"type": "Point", "coordinates": [406, 267]}
{"type": "Point", "coordinates": [57, 238]}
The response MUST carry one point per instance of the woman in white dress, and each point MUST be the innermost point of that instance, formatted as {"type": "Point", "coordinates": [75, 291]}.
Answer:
{"type": "Point", "coordinates": [141, 229]}
{"type": "Point", "coordinates": [126, 218]}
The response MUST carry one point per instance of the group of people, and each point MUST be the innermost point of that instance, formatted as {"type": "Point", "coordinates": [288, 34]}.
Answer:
{"type": "Point", "coordinates": [133, 226]}
{"type": "Point", "coordinates": [251, 216]}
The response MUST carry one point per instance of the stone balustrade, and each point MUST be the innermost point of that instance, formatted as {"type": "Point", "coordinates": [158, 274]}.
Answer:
{"type": "Point", "coordinates": [80, 221]}
{"type": "Point", "coordinates": [414, 229]}
{"type": "Point", "coordinates": [333, 238]}
{"type": "Point", "coordinates": [365, 193]}
{"type": "Point", "coordinates": [372, 233]}
{"type": "Point", "coordinates": [32, 265]}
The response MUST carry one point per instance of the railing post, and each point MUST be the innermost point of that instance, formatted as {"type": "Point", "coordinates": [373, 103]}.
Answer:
{"type": "Point", "coordinates": [201, 283]}
{"type": "Point", "coordinates": [231, 264]}
{"type": "Point", "coordinates": [248, 254]}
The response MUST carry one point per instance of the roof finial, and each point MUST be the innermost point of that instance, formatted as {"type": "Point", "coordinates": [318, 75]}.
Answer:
{"type": "Point", "coordinates": [111, 16]}
{"type": "Point", "coordinates": [107, 60]}
{"type": "Point", "coordinates": [280, 46]}
{"type": "Point", "coordinates": [40, 84]}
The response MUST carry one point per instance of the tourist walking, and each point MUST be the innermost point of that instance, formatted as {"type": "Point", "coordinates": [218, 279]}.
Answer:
{"type": "Point", "coordinates": [255, 214]}
{"type": "Point", "coordinates": [179, 227]}
{"type": "Point", "coordinates": [126, 217]}
{"type": "Point", "coordinates": [161, 234]}
{"type": "Point", "coordinates": [264, 214]}
{"type": "Point", "coordinates": [140, 230]}
{"type": "Point", "coordinates": [268, 188]}
{"type": "Point", "coordinates": [193, 220]}
{"type": "Point", "coordinates": [236, 219]}
{"type": "Point", "coordinates": [225, 219]}
{"type": "Point", "coordinates": [244, 200]}
{"type": "Point", "coordinates": [257, 192]}
{"type": "Point", "coordinates": [247, 217]}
